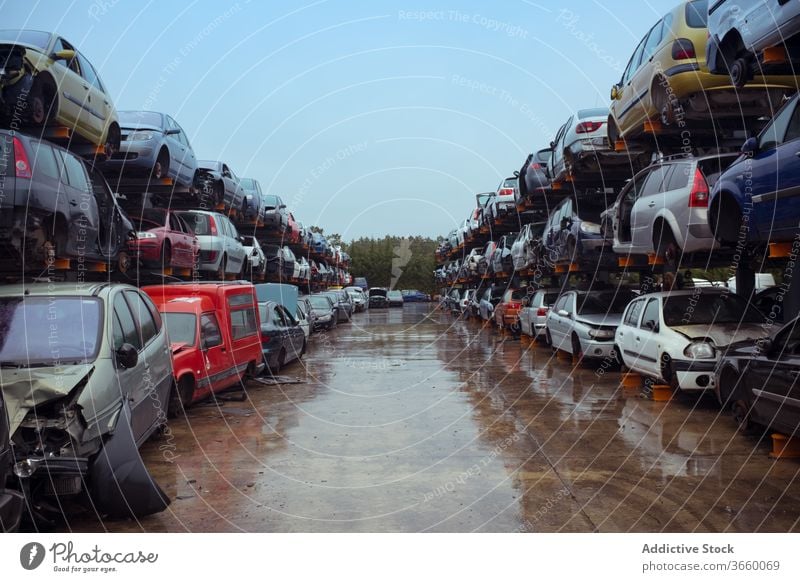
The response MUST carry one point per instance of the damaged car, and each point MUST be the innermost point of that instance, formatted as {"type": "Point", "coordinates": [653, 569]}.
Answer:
{"type": "Point", "coordinates": [55, 207]}
{"type": "Point", "coordinates": [86, 377]}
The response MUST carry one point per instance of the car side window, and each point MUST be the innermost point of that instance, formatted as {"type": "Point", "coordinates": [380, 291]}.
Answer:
{"type": "Point", "coordinates": [76, 173]}
{"type": "Point", "coordinates": [570, 304]}
{"type": "Point", "coordinates": [651, 315]}
{"type": "Point", "coordinates": [72, 64]}
{"type": "Point", "coordinates": [679, 178]}
{"type": "Point", "coordinates": [655, 181]}
{"type": "Point", "coordinates": [632, 317]}
{"type": "Point", "coordinates": [143, 315]}
{"type": "Point", "coordinates": [793, 131]}
{"type": "Point", "coordinates": [560, 303]}
{"type": "Point", "coordinates": [633, 66]}
{"type": "Point", "coordinates": [233, 232]}
{"type": "Point", "coordinates": [653, 40]}
{"type": "Point", "coordinates": [210, 334]}
{"type": "Point", "coordinates": [175, 223]}
{"type": "Point", "coordinates": [45, 162]}
{"type": "Point", "coordinates": [127, 326]}
{"type": "Point", "coordinates": [776, 131]}
{"type": "Point", "coordinates": [88, 73]}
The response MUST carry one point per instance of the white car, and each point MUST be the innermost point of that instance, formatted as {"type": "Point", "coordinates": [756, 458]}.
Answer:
{"type": "Point", "coordinates": [583, 323]}
{"type": "Point", "coordinates": [358, 298]}
{"type": "Point", "coordinates": [466, 302]}
{"type": "Point", "coordinates": [740, 30]}
{"type": "Point", "coordinates": [256, 260]}
{"type": "Point", "coordinates": [305, 269]}
{"type": "Point", "coordinates": [533, 315]}
{"type": "Point", "coordinates": [473, 259]}
{"type": "Point", "coordinates": [526, 247]}
{"type": "Point", "coordinates": [677, 337]}
{"type": "Point", "coordinates": [505, 201]}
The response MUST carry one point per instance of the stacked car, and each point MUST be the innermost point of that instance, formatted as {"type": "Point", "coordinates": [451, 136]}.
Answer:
{"type": "Point", "coordinates": [693, 166]}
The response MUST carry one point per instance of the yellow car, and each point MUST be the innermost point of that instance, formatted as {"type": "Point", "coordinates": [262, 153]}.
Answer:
{"type": "Point", "coordinates": [667, 82]}
{"type": "Point", "coordinates": [45, 81]}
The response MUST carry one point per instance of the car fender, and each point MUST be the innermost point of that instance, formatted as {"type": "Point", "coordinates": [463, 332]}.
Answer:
{"type": "Point", "coordinates": [667, 216]}
{"type": "Point", "coordinates": [119, 482]}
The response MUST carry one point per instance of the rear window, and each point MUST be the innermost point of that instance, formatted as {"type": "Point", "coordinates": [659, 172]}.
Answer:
{"type": "Point", "coordinates": [697, 14]}
{"type": "Point", "coordinates": [515, 295]}
{"type": "Point", "coordinates": [498, 292]}
{"type": "Point", "coordinates": [197, 222]}
{"type": "Point", "coordinates": [248, 183]}
{"type": "Point", "coordinates": [509, 182]}
{"type": "Point", "coordinates": [6, 153]}
{"type": "Point", "coordinates": [590, 212]}
{"type": "Point", "coordinates": [599, 112]}
{"type": "Point", "coordinates": [712, 168]}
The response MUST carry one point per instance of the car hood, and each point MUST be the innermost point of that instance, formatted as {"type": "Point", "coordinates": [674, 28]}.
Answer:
{"type": "Point", "coordinates": [723, 334]}
{"type": "Point", "coordinates": [141, 127]}
{"type": "Point", "coordinates": [23, 388]}
{"type": "Point", "coordinates": [610, 319]}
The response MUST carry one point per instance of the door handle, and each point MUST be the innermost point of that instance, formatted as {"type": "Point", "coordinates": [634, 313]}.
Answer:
{"type": "Point", "coordinates": [86, 87]}
{"type": "Point", "coordinates": [797, 154]}
{"type": "Point", "coordinates": [638, 339]}
{"type": "Point", "coordinates": [651, 203]}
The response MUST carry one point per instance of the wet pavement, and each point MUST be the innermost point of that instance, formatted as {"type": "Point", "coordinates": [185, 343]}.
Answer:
{"type": "Point", "coordinates": [411, 420]}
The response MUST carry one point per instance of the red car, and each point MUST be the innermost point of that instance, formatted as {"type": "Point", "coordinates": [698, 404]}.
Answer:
{"type": "Point", "coordinates": [163, 239]}
{"type": "Point", "coordinates": [293, 230]}
{"type": "Point", "coordinates": [506, 313]}
{"type": "Point", "coordinates": [214, 333]}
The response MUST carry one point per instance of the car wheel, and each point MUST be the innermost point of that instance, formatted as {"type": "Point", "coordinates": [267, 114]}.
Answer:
{"type": "Point", "coordinates": [180, 396]}
{"type": "Point", "coordinates": [577, 351]}
{"type": "Point", "coordinates": [43, 103]}
{"type": "Point", "coordinates": [663, 101]}
{"type": "Point", "coordinates": [667, 373]}
{"type": "Point", "coordinates": [222, 269]}
{"type": "Point", "coordinates": [218, 195]}
{"type": "Point", "coordinates": [281, 360]}
{"type": "Point", "coordinates": [161, 167]}
{"type": "Point", "coordinates": [113, 138]}
{"type": "Point", "coordinates": [617, 357]}
{"type": "Point", "coordinates": [166, 255]}
{"type": "Point", "coordinates": [548, 339]}
{"type": "Point", "coordinates": [739, 72]}
{"type": "Point", "coordinates": [305, 346]}
{"type": "Point", "coordinates": [666, 246]}
{"type": "Point", "coordinates": [741, 416]}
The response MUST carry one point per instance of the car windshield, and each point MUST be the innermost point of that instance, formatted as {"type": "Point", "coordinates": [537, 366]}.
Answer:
{"type": "Point", "coordinates": [509, 182]}
{"type": "Point", "coordinates": [54, 331]}
{"type": "Point", "coordinates": [377, 292]}
{"type": "Point", "coordinates": [248, 183]}
{"type": "Point", "coordinates": [599, 112]}
{"type": "Point", "coordinates": [320, 302]}
{"type": "Point", "coordinates": [515, 295]}
{"type": "Point", "coordinates": [181, 327]}
{"type": "Point", "coordinates": [602, 303]}
{"type": "Point", "coordinates": [137, 118]}
{"type": "Point", "coordinates": [151, 218]}
{"type": "Point", "coordinates": [395, 294]}
{"type": "Point", "coordinates": [270, 201]}
{"type": "Point", "coordinates": [697, 14]}
{"type": "Point", "coordinates": [709, 308]}
{"type": "Point", "coordinates": [199, 223]}
{"type": "Point", "coordinates": [30, 37]}
{"type": "Point", "coordinates": [210, 165]}
{"type": "Point", "coordinates": [590, 212]}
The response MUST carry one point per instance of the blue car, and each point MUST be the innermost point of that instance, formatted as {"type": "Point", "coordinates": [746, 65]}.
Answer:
{"type": "Point", "coordinates": [253, 199]}
{"type": "Point", "coordinates": [757, 199]}
{"type": "Point", "coordinates": [573, 233]}
{"type": "Point", "coordinates": [319, 244]}
{"type": "Point", "coordinates": [413, 296]}
{"type": "Point", "coordinates": [153, 145]}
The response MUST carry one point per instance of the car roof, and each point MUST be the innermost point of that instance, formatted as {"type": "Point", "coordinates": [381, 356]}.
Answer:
{"type": "Point", "coordinates": [711, 290]}
{"type": "Point", "coordinates": [196, 304]}
{"type": "Point", "coordinates": [58, 289]}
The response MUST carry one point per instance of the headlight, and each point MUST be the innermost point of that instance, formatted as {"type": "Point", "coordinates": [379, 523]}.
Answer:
{"type": "Point", "coordinates": [601, 333]}
{"type": "Point", "coordinates": [145, 235]}
{"type": "Point", "coordinates": [700, 350]}
{"type": "Point", "coordinates": [590, 227]}
{"type": "Point", "coordinates": [141, 136]}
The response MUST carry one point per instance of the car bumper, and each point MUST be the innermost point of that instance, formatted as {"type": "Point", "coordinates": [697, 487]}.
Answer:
{"type": "Point", "coordinates": [133, 156]}
{"type": "Point", "coordinates": [11, 506]}
{"type": "Point", "coordinates": [146, 250]}
{"type": "Point", "coordinates": [595, 349]}
{"type": "Point", "coordinates": [694, 374]}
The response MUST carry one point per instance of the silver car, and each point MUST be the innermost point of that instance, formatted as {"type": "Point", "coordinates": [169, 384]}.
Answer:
{"type": "Point", "coordinates": [664, 208]}
{"type": "Point", "coordinates": [221, 250]}
{"type": "Point", "coordinates": [256, 260]}
{"type": "Point", "coordinates": [533, 315]}
{"type": "Point", "coordinates": [583, 323]}
{"type": "Point", "coordinates": [86, 376]}
{"type": "Point", "coordinates": [526, 249]}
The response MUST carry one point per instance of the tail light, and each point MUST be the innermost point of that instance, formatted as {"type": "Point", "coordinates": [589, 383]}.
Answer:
{"type": "Point", "coordinates": [514, 305]}
{"type": "Point", "coordinates": [535, 166]}
{"type": "Point", "coordinates": [212, 225]}
{"type": "Point", "coordinates": [541, 312]}
{"type": "Point", "coordinates": [506, 191]}
{"type": "Point", "coordinates": [588, 126]}
{"type": "Point", "coordinates": [212, 256]}
{"type": "Point", "coordinates": [22, 165]}
{"type": "Point", "coordinates": [698, 197]}
{"type": "Point", "coordinates": [683, 49]}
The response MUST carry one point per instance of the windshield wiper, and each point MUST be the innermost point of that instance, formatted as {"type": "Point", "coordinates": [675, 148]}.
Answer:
{"type": "Point", "coordinates": [22, 365]}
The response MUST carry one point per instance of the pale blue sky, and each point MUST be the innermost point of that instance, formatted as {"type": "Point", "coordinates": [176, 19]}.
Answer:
{"type": "Point", "coordinates": [368, 118]}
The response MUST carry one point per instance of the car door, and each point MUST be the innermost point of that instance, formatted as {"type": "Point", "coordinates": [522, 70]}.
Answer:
{"type": "Point", "coordinates": [784, 210]}
{"type": "Point", "coordinates": [182, 252]}
{"type": "Point", "coordinates": [647, 338]}
{"type": "Point", "coordinates": [217, 357]}
{"type": "Point", "coordinates": [627, 99]}
{"type": "Point", "coordinates": [84, 207]}
{"type": "Point", "coordinates": [294, 333]}
{"type": "Point", "coordinates": [558, 148]}
{"type": "Point", "coordinates": [555, 322]}
{"type": "Point", "coordinates": [97, 109]}
{"type": "Point", "coordinates": [73, 90]}
{"type": "Point", "coordinates": [626, 333]}
{"type": "Point", "coordinates": [130, 381]}
{"type": "Point", "coordinates": [648, 203]}
{"type": "Point", "coordinates": [770, 167]}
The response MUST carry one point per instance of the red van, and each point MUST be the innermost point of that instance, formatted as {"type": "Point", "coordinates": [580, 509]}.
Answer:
{"type": "Point", "coordinates": [213, 329]}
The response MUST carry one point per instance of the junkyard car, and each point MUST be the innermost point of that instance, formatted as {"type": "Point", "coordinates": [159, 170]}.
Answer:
{"type": "Point", "coordinates": [218, 180]}
{"type": "Point", "coordinates": [533, 315]}
{"type": "Point", "coordinates": [584, 323]}
{"type": "Point", "coordinates": [86, 378]}
{"type": "Point", "coordinates": [256, 260]}
{"type": "Point", "coordinates": [47, 79]}
{"type": "Point", "coordinates": [213, 335]}
{"type": "Point", "coordinates": [394, 298]}
{"type": "Point", "coordinates": [153, 145]}
{"type": "Point", "coordinates": [377, 297]}
{"type": "Point", "coordinates": [324, 311]}
{"type": "Point", "coordinates": [253, 205]}
{"type": "Point", "coordinates": [527, 247]}
{"type": "Point", "coordinates": [282, 338]}
{"type": "Point", "coordinates": [677, 337]}
{"type": "Point", "coordinates": [54, 207]}
{"type": "Point", "coordinates": [164, 240]}
{"type": "Point", "coordinates": [221, 249]}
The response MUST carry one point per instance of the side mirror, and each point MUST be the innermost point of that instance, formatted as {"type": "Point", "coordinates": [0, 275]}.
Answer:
{"type": "Point", "coordinates": [172, 132]}
{"type": "Point", "coordinates": [282, 206]}
{"type": "Point", "coordinates": [563, 313]}
{"type": "Point", "coordinates": [764, 345]}
{"type": "Point", "coordinates": [552, 145]}
{"type": "Point", "coordinates": [64, 55]}
{"type": "Point", "coordinates": [565, 223]}
{"type": "Point", "coordinates": [127, 356]}
{"type": "Point", "coordinates": [750, 146]}
{"type": "Point", "coordinates": [616, 92]}
{"type": "Point", "coordinates": [650, 325]}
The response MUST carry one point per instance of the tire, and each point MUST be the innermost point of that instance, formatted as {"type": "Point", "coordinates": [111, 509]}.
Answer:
{"type": "Point", "coordinates": [577, 351]}
{"type": "Point", "coordinates": [725, 219]}
{"type": "Point", "coordinates": [618, 357]}
{"type": "Point", "coordinates": [43, 103]}
{"type": "Point", "coordinates": [662, 102]}
{"type": "Point", "coordinates": [739, 72]}
{"type": "Point", "coordinates": [666, 246]}
{"type": "Point", "coordinates": [218, 194]}
{"type": "Point", "coordinates": [548, 340]}
{"type": "Point", "coordinates": [222, 269]}
{"type": "Point", "coordinates": [305, 347]}
{"type": "Point", "coordinates": [113, 139]}
{"type": "Point", "coordinates": [180, 396]}
{"type": "Point", "coordinates": [281, 360]}
{"type": "Point", "coordinates": [161, 167]}
{"type": "Point", "coordinates": [740, 412]}
{"type": "Point", "coordinates": [166, 255]}
{"type": "Point", "coordinates": [667, 373]}
{"type": "Point", "coordinates": [612, 132]}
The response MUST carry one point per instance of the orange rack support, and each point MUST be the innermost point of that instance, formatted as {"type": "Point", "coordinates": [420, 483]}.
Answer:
{"type": "Point", "coordinates": [655, 260]}
{"type": "Point", "coordinates": [661, 392]}
{"type": "Point", "coordinates": [774, 55]}
{"type": "Point", "coordinates": [61, 264]}
{"type": "Point", "coordinates": [625, 261]}
{"type": "Point", "coordinates": [652, 126]}
{"type": "Point", "coordinates": [784, 447]}
{"type": "Point", "coordinates": [620, 146]}
{"type": "Point", "coordinates": [631, 380]}
{"type": "Point", "coordinates": [574, 267]}
{"type": "Point", "coordinates": [780, 250]}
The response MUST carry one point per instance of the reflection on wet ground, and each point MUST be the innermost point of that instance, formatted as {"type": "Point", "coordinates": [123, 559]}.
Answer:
{"type": "Point", "coordinates": [409, 420]}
